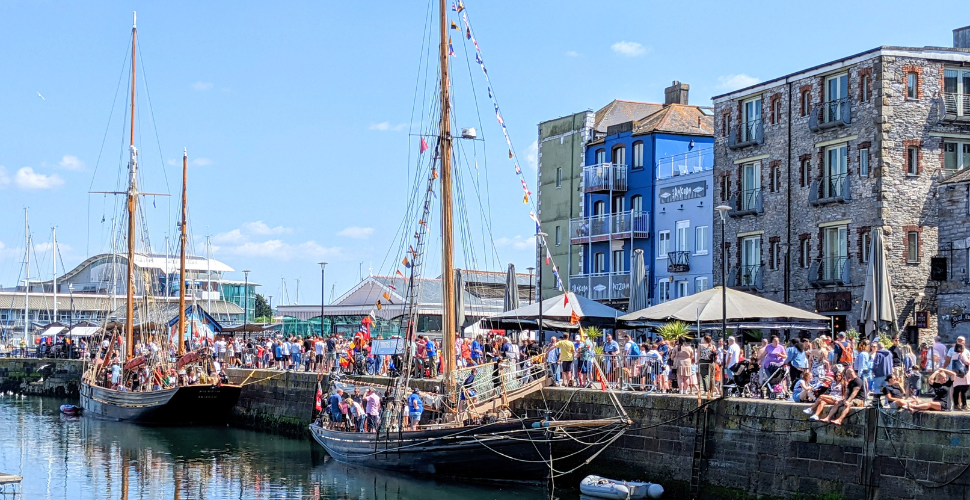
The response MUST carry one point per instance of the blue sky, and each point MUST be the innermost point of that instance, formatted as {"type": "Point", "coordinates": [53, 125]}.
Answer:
{"type": "Point", "coordinates": [296, 114]}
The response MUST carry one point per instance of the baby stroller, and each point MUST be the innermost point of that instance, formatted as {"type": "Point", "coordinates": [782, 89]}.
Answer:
{"type": "Point", "coordinates": [777, 384]}
{"type": "Point", "coordinates": [744, 384]}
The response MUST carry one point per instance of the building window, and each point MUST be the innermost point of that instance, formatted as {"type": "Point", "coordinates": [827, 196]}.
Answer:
{"type": "Point", "coordinates": [835, 252]}
{"type": "Point", "coordinates": [700, 284]}
{"type": "Point", "coordinates": [750, 119]}
{"type": "Point", "coordinates": [750, 185]}
{"type": "Point", "coordinates": [558, 235]}
{"type": "Point", "coordinates": [774, 182]}
{"type": "Point", "coordinates": [805, 253]}
{"type": "Point", "coordinates": [912, 247]}
{"type": "Point", "coordinates": [682, 290]}
{"type": "Point", "coordinates": [836, 171]}
{"type": "Point", "coordinates": [663, 244]}
{"type": "Point", "coordinates": [725, 183]}
{"type": "Point", "coordinates": [806, 102]}
{"type": "Point", "coordinates": [773, 254]}
{"type": "Point", "coordinates": [663, 291]}
{"type": "Point", "coordinates": [725, 124]}
{"type": "Point", "coordinates": [637, 155]}
{"type": "Point", "coordinates": [599, 263]}
{"type": "Point", "coordinates": [866, 245]}
{"type": "Point", "coordinates": [636, 204]}
{"type": "Point", "coordinates": [776, 111]}
{"type": "Point", "coordinates": [599, 208]}
{"type": "Point", "coordinates": [681, 242]}
{"type": "Point", "coordinates": [912, 85]}
{"type": "Point", "coordinates": [619, 263]}
{"type": "Point", "coordinates": [806, 172]}
{"type": "Point", "coordinates": [559, 177]}
{"type": "Point", "coordinates": [600, 156]}
{"type": "Point", "coordinates": [750, 260]}
{"type": "Point", "coordinates": [864, 92]}
{"type": "Point", "coordinates": [619, 155]}
{"type": "Point", "coordinates": [956, 91]}
{"type": "Point", "coordinates": [864, 162]}
{"type": "Point", "coordinates": [912, 160]}
{"type": "Point", "coordinates": [836, 89]}
{"type": "Point", "coordinates": [701, 244]}
{"type": "Point", "coordinates": [956, 156]}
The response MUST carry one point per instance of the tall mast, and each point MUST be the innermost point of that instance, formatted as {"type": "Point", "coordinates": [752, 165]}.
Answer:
{"type": "Point", "coordinates": [208, 275]}
{"type": "Point", "coordinates": [132, 207]}
{"type": "Point", "coordinates": [26, 279]}
{"type": "Point", "coordinates": [54, 255]}
{"type": "Point", "coordinates": [185, 173]}
{"type": "Point", "coordinates": [448, 327]}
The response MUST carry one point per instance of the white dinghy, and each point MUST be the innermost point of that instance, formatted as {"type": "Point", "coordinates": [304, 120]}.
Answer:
{"type": "Point", "coordinates": [601, 487]}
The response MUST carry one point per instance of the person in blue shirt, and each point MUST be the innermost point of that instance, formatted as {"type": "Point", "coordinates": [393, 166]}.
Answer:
{"type": "Point", "coordinates": [610, 350]}
{"type": "Point", "coordinates": [336, 416]}
{"type": "Point", "coordinates": [552, 359]}
{"type": "Point", "coordinates": [415, 409]}
{"type": "Point", "coordinates": [432, 357]}
{"type": "Point", "coordinates": [798, 360]}
{"type": "Point", "coordinates": [476, 350]}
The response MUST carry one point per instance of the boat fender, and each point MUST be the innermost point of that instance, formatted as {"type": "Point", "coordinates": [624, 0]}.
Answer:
{"type": "Point", "coordinates": [536, 425]}
{"type": "Point", "coordinates": [655, 491]}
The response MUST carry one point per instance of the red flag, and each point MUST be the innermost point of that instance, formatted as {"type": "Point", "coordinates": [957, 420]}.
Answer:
{"type": "Point", "coordinates": [399, 273]}
{"type": "Point", "coordinates": [424, 146]}
{"type": "Point", "coordinates": [573, 318]}
{"type": "Point", "coordinates": [319, 402]}
{"type": "Point", "coordinates": [565, 299]}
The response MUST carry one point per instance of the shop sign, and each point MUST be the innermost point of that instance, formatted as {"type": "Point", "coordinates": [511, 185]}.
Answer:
{"type": "Point", "coordinates": [827, 302]}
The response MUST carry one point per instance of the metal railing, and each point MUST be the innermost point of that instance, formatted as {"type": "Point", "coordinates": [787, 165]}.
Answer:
{"type": "Point", "coordinates": [747, 202]}
{"type": "Point", "coordinates": [630, 224]}
{"type": "Point", "coordinates": [956, 104]}
{"type": "Point", "coordinates": [601, 286]}
{"type": "Point", "coordinates": [830, 271]}
{"type": "Point", "coordinates": [691, 162]}
{"type": "Point", "coordinates": [604, 177]}
{"type": "Point", "coordinates": [748, 277]}
{"type": "Point", "coordinates": [830, 189]}
{"type": "Point", "coordinates": [678, 261]}
{"type": "Point", "coordinates": [831, 114]}
{"type": "Point", "coordinates": [748, 133]}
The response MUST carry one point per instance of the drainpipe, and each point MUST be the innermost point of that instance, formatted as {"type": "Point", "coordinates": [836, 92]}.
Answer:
{"type": "Point", "coordinates": [788, 227]}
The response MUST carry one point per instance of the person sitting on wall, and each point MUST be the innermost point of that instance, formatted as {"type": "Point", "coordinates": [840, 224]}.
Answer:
{"type": "Point", "coordinates": [831, 396]}
{"type": "Point", "coordinates": [941, 381]}
{"type": "Point", "coordinates": [854, 396]}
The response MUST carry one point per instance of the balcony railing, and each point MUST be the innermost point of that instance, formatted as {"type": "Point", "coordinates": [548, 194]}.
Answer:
{"type": "Point", "coordinates": [746, 134]}
{"type": "Point", "coordinates": [830, 189]}
{"type": "Point", "coordinates": [830, 114]}
{"type": "Point", "coordinates": [830, 271]}
{"type": "Point", "coordinates": [601, 286]}
{"type": "Point", "coordinates": [747, 202]}
{"type": "Point", "coordinates": [691, 162]}
{"type": "Point", "coordinates": [956, 106]}
{"type": "Point", "coordinates": [748, 277]}
{"type": "Point", "coordinates": [604, 177]}
{"type": "Point", "coordinates": [617, 226]}
{"type": "Point", "coordinates": [678, 262]}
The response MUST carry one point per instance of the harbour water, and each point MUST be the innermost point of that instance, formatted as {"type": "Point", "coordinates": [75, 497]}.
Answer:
{"type": "Point", "coordinates": [75, 458]}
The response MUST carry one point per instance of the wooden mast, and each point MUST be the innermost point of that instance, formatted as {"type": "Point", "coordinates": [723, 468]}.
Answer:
{"type": "Point", "coordinates": [132, 207]}
{"type": "Point", "coordinates": [185, 173]}
{"type": "Point", "coordinates": [448, 327]}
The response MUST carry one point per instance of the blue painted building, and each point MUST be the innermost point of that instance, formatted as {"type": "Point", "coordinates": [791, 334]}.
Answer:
{"type": "Point", "coordinates": [620, 197]}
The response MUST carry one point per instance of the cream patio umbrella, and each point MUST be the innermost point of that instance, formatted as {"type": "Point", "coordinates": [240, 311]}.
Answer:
{"type": "Point", "coordinates": [877, 298]}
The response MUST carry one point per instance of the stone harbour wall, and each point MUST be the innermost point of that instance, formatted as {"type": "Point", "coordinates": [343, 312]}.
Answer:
{"type": "Point", "coordinates": [40, 376]}
{"type": "Point", "coordinates": [767, 449]}
{"type": "Point", "coordinates": [275, 401]}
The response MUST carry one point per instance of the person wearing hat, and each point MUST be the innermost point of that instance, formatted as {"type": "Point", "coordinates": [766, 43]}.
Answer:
{"type": "Point", "coordinates": [415, 408]}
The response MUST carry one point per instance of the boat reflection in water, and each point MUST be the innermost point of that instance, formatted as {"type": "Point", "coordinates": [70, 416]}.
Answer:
{"type": "Point", "coordinates": [82, 458]}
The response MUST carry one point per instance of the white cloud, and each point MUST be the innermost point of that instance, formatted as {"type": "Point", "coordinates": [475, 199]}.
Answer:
{"type": "Point", "coordinates": [734, 82]}
{"type": "Point", "coordinates": [71, 162]}
{"type": "Point", "coordinates": [572, 53]}
{"type": "Point", "coordinates": [278, 249]}
{"type": "Point", "coordinates": [4, 178]}
{"type": "Point", "coordinates": [359, 233]}
{"type": "Point", "coordinates": [201, 162]}
{"type": "Point", "coordinates": [517, 242]}
{"type": "Point", "coordinates": [234, 236]}
{"type": "Point", "coordinates": [202, 86]}
{"type": "Point", "coordinates": [532, 155]}
{"type": "Point", "coordinates": [630, 49]}
{"type": "Point", "coordinates": [386, 126]}
{"type": "Point", "coordinates": [260, 228]}
{"type": "Point", "coordinates": [26, 178]}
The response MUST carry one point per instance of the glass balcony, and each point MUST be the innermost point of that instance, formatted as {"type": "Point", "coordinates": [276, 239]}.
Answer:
{"type": "Point", "coordinates": [830, 271]}
{"type": "Point", "coordinates": [604, 177]}
{"type": "Point", "coordinates": [601, 286]}
{"type": "Point", "coordinates": [830, 189]}
{"type": "Point", "coordinates": [956, 106]}
{"type": "Point", "coordinates": [837, 113]}
{"type": "Point", "coordinates": [748, 277]}
{"type": "Point", "coordinates": [608, 227]}
{"type": "Point", "coordinates": [745, 134]}
{"type": "Point", "coordinates": [747, 202]}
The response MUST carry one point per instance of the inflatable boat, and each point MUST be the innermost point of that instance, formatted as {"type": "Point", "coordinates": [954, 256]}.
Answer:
{"type": "Point", "coordinates": [71, 410]}
{"type": "Point", "coordinates": [601, 487]}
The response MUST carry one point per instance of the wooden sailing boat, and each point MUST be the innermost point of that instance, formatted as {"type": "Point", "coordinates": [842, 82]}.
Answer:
{"type": "Point", "coordinates": [181, 404]}
{"type": "Point", "coordinates": [478, 436]}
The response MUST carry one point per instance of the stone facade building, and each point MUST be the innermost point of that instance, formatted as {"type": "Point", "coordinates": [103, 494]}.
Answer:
{"type": "Point", "coordinates": [810, 162]}
{"type": "Point", "coordinates": [952, 266]}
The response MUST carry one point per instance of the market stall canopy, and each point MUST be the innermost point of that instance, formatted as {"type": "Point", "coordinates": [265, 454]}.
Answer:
{"type": "Point", "coordinates": [706, 307]}
{"type": "Point", "coordinates": [557, 314]}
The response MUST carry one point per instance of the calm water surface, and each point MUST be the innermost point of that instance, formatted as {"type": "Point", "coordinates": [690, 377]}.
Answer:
{"type": "Point", "coordinates": [83, 458]}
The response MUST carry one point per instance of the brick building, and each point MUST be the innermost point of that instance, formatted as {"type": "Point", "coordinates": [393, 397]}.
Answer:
{"type": "Point", "coordinates": [812, 161]}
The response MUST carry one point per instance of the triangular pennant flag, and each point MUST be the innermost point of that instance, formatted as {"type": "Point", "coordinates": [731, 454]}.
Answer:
{"type": "Point", "coordinates": [565, 300]}
{"type": "Point", "coordinates": [525, 199]}
{"type": "Point", "coordinates": [399, 273]}
{"type": "Point", "coordinates": [406, 262]}
{"type": "Point", "coordinates": [454, 26]}
{"type": "Point", "coordinates": [517, 169]}
{"type": "Point", "coordinates": [424, 146]}
{"type": "Point", "coordinates": [453, 7]}
{"type": "Point", "coordinates": [489, 89]}
{"type": "Point", "coordinates": [468, 33]}
{"type": "Point", "coordinates": [451, 50]}
{"type": "Point", "coordinates": [414, 252]}
{"type": "Point", "coordinates": [460, 6]}
{"type": "Point", "coordinates": [573, 317]}
{"type": "Point", "coordinates": [434, 173]}
{"type": "Point", "coordinates": [379, 306]}
{"type": "Point", "coordinates": [510, 154]}
{"type": "Point", "coordinates": [387, 296]}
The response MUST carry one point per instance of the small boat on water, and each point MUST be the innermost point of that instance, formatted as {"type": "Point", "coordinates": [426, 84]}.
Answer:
{"type": "Point", "coordinates": [71, 410]}
{"type": "Point", "coordinates": [601, 487]}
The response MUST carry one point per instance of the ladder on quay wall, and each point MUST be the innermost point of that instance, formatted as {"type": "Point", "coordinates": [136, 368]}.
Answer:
{"type": "Point", "coordinates": [697, 459]}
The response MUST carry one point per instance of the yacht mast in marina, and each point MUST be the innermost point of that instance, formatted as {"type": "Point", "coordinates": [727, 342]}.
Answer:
{"type": "Point", "coordinates": [27, 277]}
{"type": "Point", "coordinates": [448, 327]}
{"type": "Point", "coordinates": [182, 238]}
{"type": "Point", "coordinates": [132, 207]}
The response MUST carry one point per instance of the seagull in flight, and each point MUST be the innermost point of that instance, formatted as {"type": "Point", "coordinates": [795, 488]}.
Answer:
{"type": "Point", "coordinates": [42, 97]}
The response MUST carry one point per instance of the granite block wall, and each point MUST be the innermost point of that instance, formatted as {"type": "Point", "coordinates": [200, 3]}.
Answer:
{"type": "Point", "coordinates": [47, 377]}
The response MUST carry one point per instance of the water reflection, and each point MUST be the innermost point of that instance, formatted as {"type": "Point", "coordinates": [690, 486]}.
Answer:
{"type": "Point", "coordinates": [83, 458]}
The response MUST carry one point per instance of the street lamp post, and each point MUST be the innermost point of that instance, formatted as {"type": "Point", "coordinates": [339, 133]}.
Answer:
{"type": "Point", "coordinates": [722, 210]}
{"type": "Point", "coordinates": [532, 294]}
{"type": "Point", "coordinates": [246, 302]}
{"type": "Point", "coordinates": [70, 331]}
{"type": "Point", "coordinates": [323, 292]}
{"type": "Point", "coordinates": [540, 236]}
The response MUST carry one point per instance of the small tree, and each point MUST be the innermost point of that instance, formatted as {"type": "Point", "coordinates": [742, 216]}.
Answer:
{"type": "Point", "coordinates": [263, 310]}
{"type": "Point", "coordinates": [593, 333]}
{"type": "Point", "coordinates": [673, 331]}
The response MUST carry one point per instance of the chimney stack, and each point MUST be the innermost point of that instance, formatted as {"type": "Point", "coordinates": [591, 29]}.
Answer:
{"type": "Point", "coordinates": [677, 92]}
{"type": "Point", "coordinates": [961, 38]}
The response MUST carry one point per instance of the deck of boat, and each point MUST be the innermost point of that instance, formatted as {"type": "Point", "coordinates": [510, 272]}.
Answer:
{"type": "Point", "coordinates": [9, 480]}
